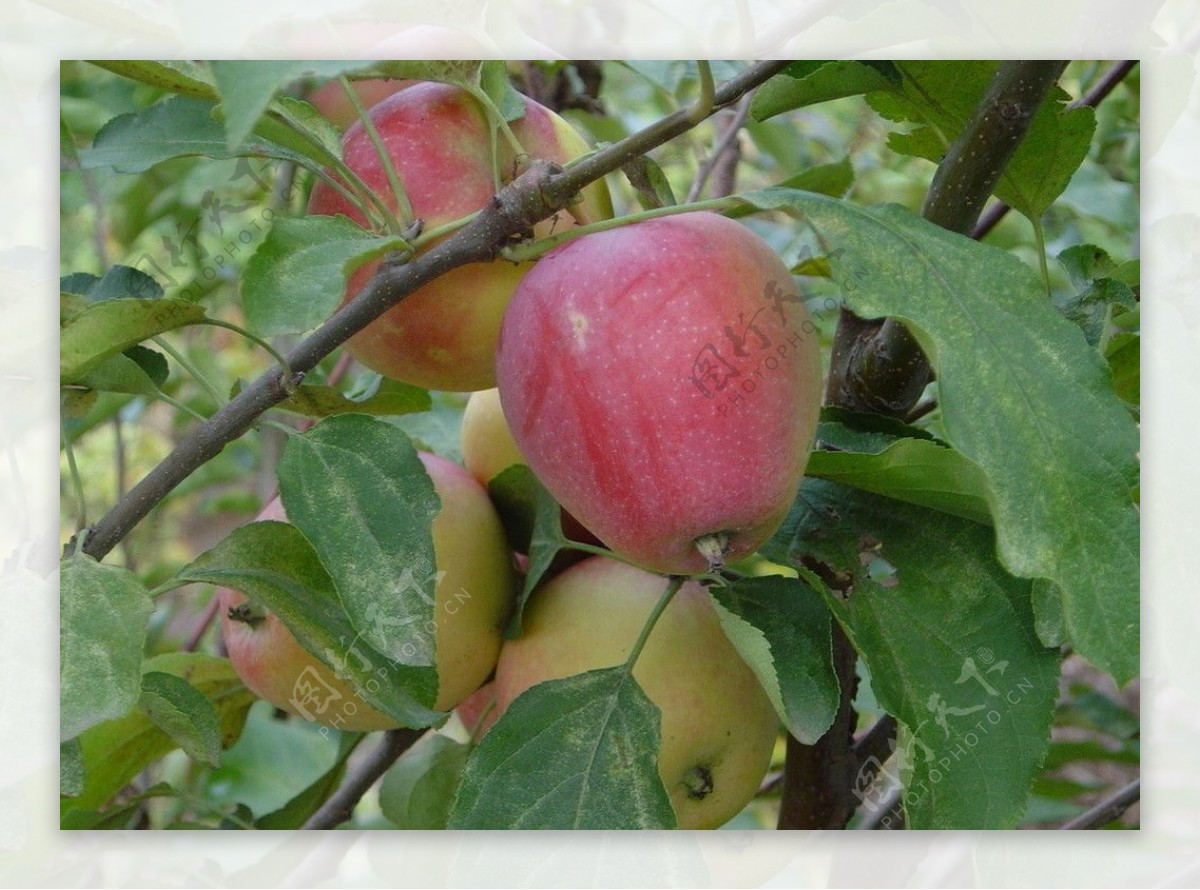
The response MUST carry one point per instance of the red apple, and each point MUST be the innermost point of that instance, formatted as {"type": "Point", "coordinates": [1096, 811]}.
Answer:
{"type": "Point", "coordinates": [663, 380]}
{"type": "Point", "coordinates": [333, 103]}
{"type": "Point", "coordinates": [718, 727]}
{"type": "Point", "coordinates": [443, 336]}
{"type": "Point", "coordinates": [474, 594]}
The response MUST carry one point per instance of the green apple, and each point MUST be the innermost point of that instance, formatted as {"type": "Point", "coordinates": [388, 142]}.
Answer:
{"type": "Point", "coordinates": [443, 336]}
{"type": "Point", "coordinates": [718, 727]}
{"type": "Point", "coordinates": [663, 380]}
{"type": "Point", "coordinates": [475, 591]}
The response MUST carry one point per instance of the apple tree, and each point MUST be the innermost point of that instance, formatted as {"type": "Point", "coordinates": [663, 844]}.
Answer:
{"type": "Point", "coordinates": [808, 498]}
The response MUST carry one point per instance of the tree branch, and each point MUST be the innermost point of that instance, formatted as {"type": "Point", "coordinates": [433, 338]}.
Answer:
{"type": "Point", "coordinates": [340, 805]}
{"type": "Point", "coordinates": [877, 365]}
{"type": "Point", "coordinates": [535, 195]}
{"type": "Point", "coordinates": [1107, 810]}
{"type": "Point", "coordinates": [1094, 97]}
{"type": "Point", "coordinates": [817, 779]}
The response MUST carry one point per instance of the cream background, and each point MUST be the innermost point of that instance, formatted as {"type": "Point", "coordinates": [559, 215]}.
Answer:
{"type": "Point", "coordinates": [1165, 34]}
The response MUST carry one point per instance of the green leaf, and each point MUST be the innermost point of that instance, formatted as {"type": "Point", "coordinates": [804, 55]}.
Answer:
{"type": "Point", "coordinates": [152, 362]}
{"type": "Point", "coordinates": [581, 752]}
{"type": "Point", "coordinates": [379, 549]}
{"type": "Point", "coordinates": [117, 283]}
{"type": "Point", "coordinates": [119, 373]}
{"type": "Point", "coordinates": [390, 397]}
{"type": "Point", "coordinates": [70, 768]}
{"type": "Point", "coordinates": [919, 471]}
{"type": "Point", "coordinates": [948, 638]}
{"type": "Point", "coordinates": [546, 540]}
{"type": "Point", "coordinates": [297, 810]}
{"type": "Point", "coordinates": [418, 791]}
{"type": "Point", "coordinates": [515, 493]}
{"type": "Point", "coordinates": [247, 88]}
{"type": "Point", "coordinates": [1022, 395]}
{"type": "Point", "coordinates": [273, 564]}
{"type": "Point", "coordinates": [1124, 356]}
{"type": "Point", "coordinates": [940, 97]}
{"type": "Point", "coordinates": [494, 81]}
{"type": "Point", "coordinates": [103, 330]}
{"type": "Point", "coordinates": [183, 713]}
{"type": "Point", "coordinates": [117, 817]}
{"type": "Point", "coordinates": [1100, 290]}
{"type": "Point", "coordinates": [273, 763]}
{"type": "Point", "coordinates": [178, 127]}
{"type": "Point", "coordinates": [177, 75]}
{"type": "Point", "coordinates": [116, 751]}
{"type": "Point", "coordinates": [102, 628]}
{"type": "Point", "coordinates": [297, 276]}
{"type": "Point", "coordinates": [796, 669]}
{"type": "Point", "coordinates": [809, 82]}
{"type": "Point", "coordinates": [832, 179]}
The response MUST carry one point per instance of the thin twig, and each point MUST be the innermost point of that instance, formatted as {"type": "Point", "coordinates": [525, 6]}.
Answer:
{"type": "Point", "coordinates": [726, 141]}
{"type": "Point", "coordinates": [532, 197]}
{"type": "Point", "coordinates": [1112, 807]}
{"type": "Point", "coordinates": [206, 618]}
{"type": "Point", "coordinates": [877, 741]}
{"type": "Point", "coordinates": [340, 805]}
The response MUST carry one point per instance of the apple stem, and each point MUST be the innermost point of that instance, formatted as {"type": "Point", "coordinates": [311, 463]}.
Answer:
{"type": "Point", "coordinates": [674, 582]}
{"type": "Point", "coordinates": [404, 210]}
{"type": "Point", "coordinates": [713, 548]}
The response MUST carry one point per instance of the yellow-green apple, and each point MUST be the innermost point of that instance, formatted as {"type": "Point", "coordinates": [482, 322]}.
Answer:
{"type": "Point", "coordinates": [718, 727]}
{"type": "Point", "coordinates": [663, 380]}
{"type": "Point", "coordinates": [333, 103]}
{"type": "Point", "coordinates": [488, 448]}
{"type": "Point", "coordinates": [443, 336]}
{"type": "Point", "coordinates": [475, 591]}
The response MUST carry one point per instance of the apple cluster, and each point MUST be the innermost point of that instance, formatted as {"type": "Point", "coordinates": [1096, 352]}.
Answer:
{"type": "Point", "coordinates": [660, 378]}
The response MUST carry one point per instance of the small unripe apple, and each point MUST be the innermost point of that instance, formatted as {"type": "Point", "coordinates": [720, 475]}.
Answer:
{"type": "Point", "coordinates": [663, 380]}
{"type": "Point", "coordinates": [443, 336]}
{"type": "Point", "coordinates": [488, 448]}
{"type": "Point", "coordinates": [718, 727]}
{"type": "Point", "coordinates": [475, 591]}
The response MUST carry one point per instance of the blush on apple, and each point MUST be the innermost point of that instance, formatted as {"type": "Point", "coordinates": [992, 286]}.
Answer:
{"type": "Point", "coordinates": [663, 380]}
{"type": "Point", "coordinates": [475, 591]}
{"type": "Point", "coordinates": [443, 336]}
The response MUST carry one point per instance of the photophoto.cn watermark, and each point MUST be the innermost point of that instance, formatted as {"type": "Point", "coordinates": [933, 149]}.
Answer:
{"type": "Point", "coordinates": [983, 693]}
{"type": "Point", "coordinates": [187, 250]}
{"type": "Point", "coordinates": [315, 699]}
{"type": "Point", "coordinates": [730, 369]}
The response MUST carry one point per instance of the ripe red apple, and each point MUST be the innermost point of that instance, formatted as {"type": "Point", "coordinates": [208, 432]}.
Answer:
{"type": "Point", "coordinates": [663, 380]}
{"type": "Point", "coordinates": [443, 336]}
{"type": "Point", "coordinates": [718, 727]}
{"type": "Point", "coordinates": [474, 593]}
{"type": "Point", "coordinates": [333, 103]}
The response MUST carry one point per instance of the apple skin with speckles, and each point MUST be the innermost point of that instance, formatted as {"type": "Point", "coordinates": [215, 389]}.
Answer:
{"type": "Point", "coordinates": [443, 336]}
{"type": "Point", "coordinates": [663, 381]}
